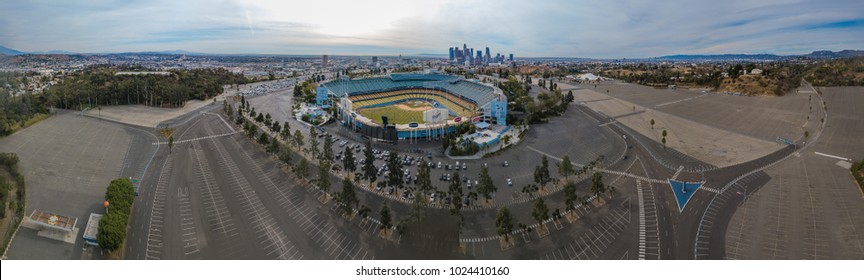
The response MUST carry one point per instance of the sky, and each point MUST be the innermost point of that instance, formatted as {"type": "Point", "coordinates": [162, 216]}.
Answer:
{"type": "Point", "coordinates": [544, 28]}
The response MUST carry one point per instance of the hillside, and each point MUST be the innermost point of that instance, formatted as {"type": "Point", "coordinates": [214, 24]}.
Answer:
{"type": "Point", "coordinates": [8, 51]}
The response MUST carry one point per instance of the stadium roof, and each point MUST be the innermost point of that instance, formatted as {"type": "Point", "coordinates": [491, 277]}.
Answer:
{"type": "Point", "coordinates": [479, 93]}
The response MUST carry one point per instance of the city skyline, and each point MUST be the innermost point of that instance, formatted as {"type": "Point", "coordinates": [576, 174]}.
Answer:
{"type": "Point", "coordinates": [557, 28]}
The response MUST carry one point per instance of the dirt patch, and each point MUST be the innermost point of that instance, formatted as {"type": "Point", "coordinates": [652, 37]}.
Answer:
{"type": "Point", "coordinates": [414, 106]}
{"type": "Point", "coordinates": [707, 143]}
{"type": "Point", "coordinates": [147, 116]}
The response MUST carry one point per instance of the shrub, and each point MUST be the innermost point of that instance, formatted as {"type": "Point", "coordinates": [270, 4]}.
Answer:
{"type": "Point", "coordinates": [112, 226]}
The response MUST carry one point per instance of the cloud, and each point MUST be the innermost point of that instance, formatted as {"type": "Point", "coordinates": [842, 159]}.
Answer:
{"type": "Point", "coordinates": [605, 29]}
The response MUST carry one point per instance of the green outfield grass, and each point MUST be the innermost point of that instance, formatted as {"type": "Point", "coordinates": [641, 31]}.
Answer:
{"type": "Point", "coordinates": [395, 115]}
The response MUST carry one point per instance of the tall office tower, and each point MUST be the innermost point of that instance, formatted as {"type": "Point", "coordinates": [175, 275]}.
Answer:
{"type": "Point", "coordinates": [324, 60]}
{"type": "Point", "coordinates": [470, 59]}
{"type": "Point", "coordinates": [374, 59]}
{"type": "Point", "coordinates": [511, 57]}
{"type": "Point", "coordinates": [487, 55]}
{"type": "Point", "coordinates": [479, 56]}
{"type": "Point", "coordinates": [452, 54]}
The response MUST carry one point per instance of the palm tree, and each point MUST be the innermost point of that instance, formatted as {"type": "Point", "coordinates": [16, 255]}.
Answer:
{"type": "Point", "coordinates": [597, 186]}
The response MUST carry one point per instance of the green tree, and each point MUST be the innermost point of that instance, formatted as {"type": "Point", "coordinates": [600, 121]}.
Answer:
{"type": "Point", "coordinates": [298, 139]}
{"type": "Point", "coordinates": [664, 133]}
{"type": "Point", "coordinates": [252, 131]}
{"type": "Point", "coordinates": [170, 143]}
{"type": "Point", "coordinates": [328, 149]}
{"type": "Point", "coordinates": [286, 130]}
{"type": "Point", "coordinates": [541, 211]}
{"type": "Point", "coordinates": [302, 169]}
{"type": "Point", "coordinates": [386, 219]}
{"type": "Point", "coordinates": [369, 172]}
{"type": "Point", "coordinates": [424, 180]}
{"type": "Point", "coordinates": [597, 185]}
{"type": "Point", "coordinates": [570, 196]}
{"type": "Point", "coordinates": [259, 118]}
{"type": "Point", "coordinates": [323, 175]}
{"type": "Point", "coordinates": [263, 139]}
{"type": "Point", "coordinates": [664, 142]}
{"type": "Point", "coordinates": [274, 146]}
{"type": "Point", "coordinates": [504, 223]}
{"type": "Point", "coordinates": [348, 197]}
{"type": "Point", "coordinates": [486, 187]}
{"type": "Point", "coordinates": [541, 173]}
{"type": "Point", "coordinates": [456, 193]}
{"type": "Point", "coordinates": [348, 162]}
{"type": "Point", "coordinates": [394, 178]}
{"type": "Point", "coordinates": [652, 123]}
{"type": "Point", "coordinates": [566, 167]}
{"type": "Point", "coordinates": [285, 155]}
{"type": "Point", "coordinates": [313, 142]}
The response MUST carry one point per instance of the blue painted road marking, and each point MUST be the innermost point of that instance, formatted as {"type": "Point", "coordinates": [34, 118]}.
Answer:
{"type": "Point", "coordinates": [684, 191]}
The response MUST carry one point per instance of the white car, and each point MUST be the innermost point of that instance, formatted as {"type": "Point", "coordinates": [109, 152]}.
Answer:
{"type": "Point", "coordinates": [509, 181]}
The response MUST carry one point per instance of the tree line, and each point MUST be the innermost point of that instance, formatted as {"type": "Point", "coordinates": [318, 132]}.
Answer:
{"type": "Point", "coordinates": [11, 179]}
{"type": "Point", "coordinates": [16, 110]}
{"type": "Point", "coordinates": [98, 86]}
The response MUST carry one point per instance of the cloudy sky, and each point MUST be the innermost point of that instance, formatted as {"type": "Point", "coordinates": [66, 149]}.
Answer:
{"type": "Point", "coordinates": [526, 28]}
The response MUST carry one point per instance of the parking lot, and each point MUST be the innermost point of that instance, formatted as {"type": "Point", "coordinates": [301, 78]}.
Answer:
{"type": "Point", "coordinates": [810, 208]}
{"type": "Point", "coordinates": [67, 162]}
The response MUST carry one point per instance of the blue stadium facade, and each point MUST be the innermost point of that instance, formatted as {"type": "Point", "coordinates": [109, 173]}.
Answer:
{"type": "Point", "coordinates": [486, 103]}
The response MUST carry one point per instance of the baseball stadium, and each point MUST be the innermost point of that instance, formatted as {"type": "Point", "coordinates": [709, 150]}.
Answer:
{"type": "Point", "coordinates": [403, 106]}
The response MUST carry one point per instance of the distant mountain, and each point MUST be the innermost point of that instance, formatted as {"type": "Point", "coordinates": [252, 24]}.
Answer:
{"type": "Point", "coordinates": [167, 52]}
{"type": "Point", "coordinates": [754, 57]}
{"type": "Point", "coordinates": [432, 54]}
{"type": "Point", "coordinates": [722, 57]}
{"type": "Point", "coordinates": [8, 51]}
{"type": "Point", "coordinates": [830, 54]}
{"type": "Point", "coordinates": [54, 52]}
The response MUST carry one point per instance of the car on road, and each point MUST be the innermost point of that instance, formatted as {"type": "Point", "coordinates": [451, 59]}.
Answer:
{"type": "Point", "coordinates": [509, 182]}
{"type": "Point", "coordinates": [464, 166]}
{"type": "Point", "coordinates": [439, 165]}
{"type": "Point", "coordinates": [506, 164]}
